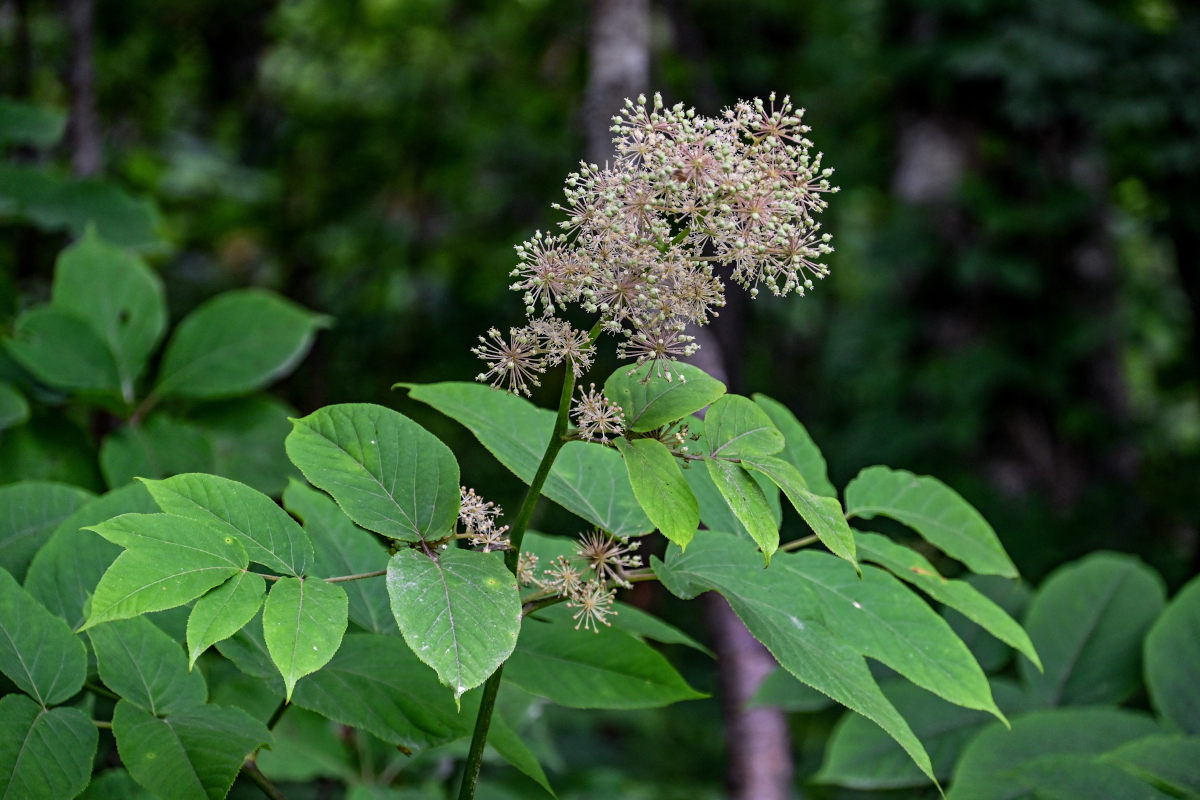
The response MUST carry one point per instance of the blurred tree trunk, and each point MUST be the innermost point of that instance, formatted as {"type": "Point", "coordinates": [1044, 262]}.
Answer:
{"type": "Point", "coordinates": [758, 744]}
{"type": "Point", "coordinates": [84, 130]}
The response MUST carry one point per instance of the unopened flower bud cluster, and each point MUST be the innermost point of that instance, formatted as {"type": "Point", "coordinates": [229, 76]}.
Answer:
{"type": "Point", "coordinates": [643, 235]}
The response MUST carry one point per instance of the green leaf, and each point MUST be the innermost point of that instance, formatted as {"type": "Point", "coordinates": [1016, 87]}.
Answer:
{"type": "Point", "coordinates": [587, 479]}
{"type": "Point", "coordinates": [1087, 621]}
{"type": "Point", "coordinates": [860, 756]}
{"type": "Point", "coordinates": [933, 510]}
{"type": "Point", "coordinates": [303, 624]}
{"type": "Point", "coordinates": [54, 200]}
{"type": "Point", "coordinates": [44, 754]}
{"type": "Point", "coordinates": [270, 536]}
{"type": "Point", "coordinates": [1172, 651]}
{"type": "Point", "coordinates": [193, 754]}
{"type": "Point", "coordinates": [64, 573]}
{"type": "Point", "coordinates": [62, 351]}
{"type": "Point", "coordinates": [246, 438]}
{"type": "Point", "coordinates": [747, 502]}
{"type": "Point", "coordinates": [1012, 597]}
{"type": "Point", "coordinates": [144, 665]}
{"type": "Point", "coordinates": [1001, 763]}
{"type": "Point", "coordinates": [632, 619]}
{"type": "Point", "coordinates": [608, 668]}
{"type": "Point", "coordinates": [734, 427]}
{"type": "Point", "coordinates": [799, 449]}
{"type": "Point", "coordinates": [26, 123]}
{"type": "Point", "coordinates": [910, 566]}
{"type": "Point", "coordinates": [823, 514]}
{"type": "Point", "coordinates": [14, 409]}
{"type": "Point", "coordinates": [512, 748]}
{"type": "Point", "coordinates": [247, 650]}
{"type": "Point", "coordinates": [118, 297]}
{"type": "Point", "coordinates": [659, 486]}
{"type": "Point", "coordinates": [169, 561]}
{"type": "Point", "coordinates": [783, 613]}
{"type": "Point", "coordinates": [387, 473]}
{"type": "Point", "coordinates": [401, 703]}
{"type": "Point", "coordinates": [223, 612]}
{"type": "Point", "coordinates": [306, 747]}
{"type": "Point", "coordinates": [651, 401]}
{"type": "Point", "coordinates": [50, 448]}
{"type": "Point", "coordinates": [1163, 761]}
{"type": "Point", "coordinates": [38, 652]}
{"type": "Point", "coordinates": [29, 513]}
{"type": "Point", "coordinates": [115, 784]}
{"type": "Point", "coordinates": [459, 611]}
{"type": "Point", "coordinates": [234, 344]}
{"type": "Point", "coordinates": [714, 511]}
{"type": "Point", "coordinates": [157, 448]}
{"type": "Point", "coordinates": [343, 548]}
{"type": "Point", "coordinates": [780, 690]}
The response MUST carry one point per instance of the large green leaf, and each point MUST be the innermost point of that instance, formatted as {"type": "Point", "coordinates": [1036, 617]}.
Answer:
{"type": "Point", "coordinates": [246, 438]}
{"type": "Point", "coordinates": [14, 408]}
{"type": "Point", "coordinates": [512, 748]}
{"type": "Point", "coordinates": [1172, 650]}
{"type": "Point", "coordinates": [144, 665]}
{"type": "Point", "coordinates": [823, 514]}
{"type": "Point", "coordinates": [223, 612]}
{"type": "Point", "coordinates": [307, 747]}
{"type": "Point", "coordinates": [933, 510]}
{"type": "Point", "coordinates": [799, 449]}
{"type": "Point", "coordinates": [120, 299]}
{"type": "Point", "coordinates": [343, 548]}
{"type": "Point", "coordinates": [29, 513]}
{"type": "Point", "coordinates": [168, 561]}
{"type": "Point", "coordinates": [1012, 597]}
{"type": "Point", "coordinates": [587, 479]}
{"type": "Point", "coordinates": [270, 536]}
{"type": "Point", "coordinates": [376, 683]}
{"type": "Point", "coordinates": [64, 573]}
{"type": "Point", "coordinates": [780, 689]}
{"type": "Point", "coordinates": [909, 565]}
{"type": "Point", "coordinates": [581, 669]}
{"type": "Point", "coordinates": [159, 447]}
{"type": "Point", "coordinates": [236, 343]}
{"type": "Point", "coordinates": [1164, 761]}
{"type": "Point", "coordinates": [734, 427]}
{"type": "Point", "coordinates": [49, 448]}
{"type": "Point", "coordinates": [784, 614]}
{"type": "Point", "coordinates": [660, 487]}
{"type": "Point", "coordinates": [632, 619]}
{"type": "Point", "coordinates": [61, 350]}
{"type": "Point", "coordinates": [1087, 621]}
{"type": "Point", "coordinates": [650, 401]}
{"type": "Point", "coordinates": [747, 502]}
{"type": "Point", "coordinates": [860, 756]}
{"type": "Point", "coordinates": [1000, 764]}
{"type": "Point", "coordinates": [714, 511]}
{"type": "Point", "coordinates": [387, 473]}
{"type": "Point", "coordinates": [193, 754]}
{"type": "Point", "coordinates": [459, 611]}
{"type": "Point", "coordinates": [44, 754]}
{"type": "Point", "coordinates": [38, 652]}
{"type": "Point", "coordinates": [303, 623]}
{"type": "Point", "coordinates": [25, 123]}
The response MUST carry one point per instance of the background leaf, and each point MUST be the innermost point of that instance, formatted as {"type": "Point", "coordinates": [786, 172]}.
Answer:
{"type": "Point", "coordinates": [14, 409]}
{"type": "Point", "coordinates": [303, 624]}
{"type": "Point", "coordinates": [29, 513]}
{"type": "Point", "coordinates": [933, 510]}
{"type": "Point", "coordinates": [459, 611]}
{"type": "Point", "coordinates": [148, 668]}
{"type": "Point", "coordinates": [587, 479]}
{"type": "Point", "coordinates": [649, 401]}
{"type": "Point", "coordinates": [38, 652]}
{"type": "Point", "coordinates": [62, 351]}
{"type": "Point", "coordinates": [1164, 761]}
{"type": "Point", "coordinates": [387, 473]}
{"type": "Point", "coordinates": [608, 668]}
{"type": "Point", "coordinates": [44, 755]}
{"type": "Point", "coordinates": [246, 437]}
{"type": "Point", "coordinates": [159, 447]}
{"type": "Point", "coordinates": [1087, 621]}
{"type": "Point", "coordinates": [236, 343]}
{"type": "Point", "coordinates": [1172, 649]}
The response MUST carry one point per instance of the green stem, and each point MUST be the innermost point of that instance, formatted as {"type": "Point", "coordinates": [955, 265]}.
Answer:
{"type": "Point", "coordinates": [487, 703]}
{"type": "Point", "coordinates": [251, 771]}
{"type": "Point", "coordinates": [796, 544]}
{"type": "Point", "coordinates": [358, 577]}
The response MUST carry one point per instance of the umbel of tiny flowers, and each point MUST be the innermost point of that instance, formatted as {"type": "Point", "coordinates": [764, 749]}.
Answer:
{"type": "Point", "coordinates": [643, 235]}
{"type": "Point", "coordinates": [478, 517]}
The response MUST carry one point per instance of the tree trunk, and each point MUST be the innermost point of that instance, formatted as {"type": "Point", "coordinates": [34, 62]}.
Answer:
{"type": "Point", "coordinates": [84, 131]}
{"type": "Point", "coordinates": [619, 50]}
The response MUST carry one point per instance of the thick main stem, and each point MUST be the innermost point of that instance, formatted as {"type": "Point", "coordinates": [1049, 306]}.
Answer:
{"type": "Point", "coordinates": [487, 703]}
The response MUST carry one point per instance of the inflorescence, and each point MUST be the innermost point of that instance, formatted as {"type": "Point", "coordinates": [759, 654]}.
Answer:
{"type": "Point", "coordinates": [643, 236]}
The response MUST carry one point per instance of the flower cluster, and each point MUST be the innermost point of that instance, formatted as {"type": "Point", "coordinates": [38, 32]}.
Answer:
{"type": "Point", "coordinates": [597, 417]}
{"type": "Point", "coordinates": [479, 519]}
{"type": "Point", "coordinates": [588, 588]}
{"type": "Point", "coordinates": [643, 235]}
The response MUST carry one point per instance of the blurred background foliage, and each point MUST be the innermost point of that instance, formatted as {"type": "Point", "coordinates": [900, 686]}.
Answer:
{"type": "Point", "coordinates": [1013, 304]}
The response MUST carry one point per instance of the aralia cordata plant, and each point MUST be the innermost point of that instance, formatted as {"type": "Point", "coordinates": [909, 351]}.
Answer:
{"type": "Point", "coordinates": [479, 601]}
